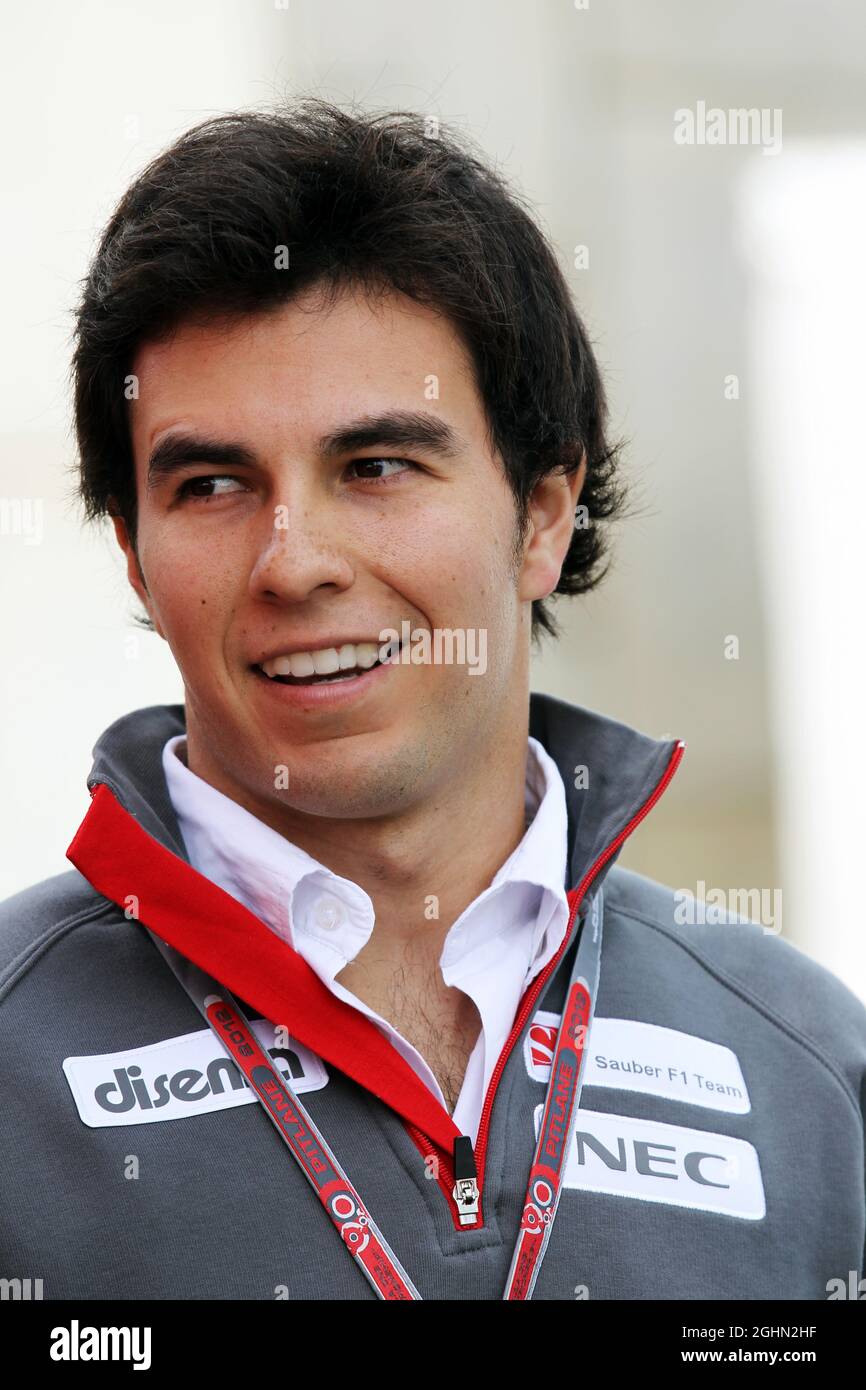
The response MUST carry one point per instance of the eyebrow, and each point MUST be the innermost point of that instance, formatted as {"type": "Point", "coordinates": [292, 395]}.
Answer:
{"type": "Point", "coordinates": [393, 428]}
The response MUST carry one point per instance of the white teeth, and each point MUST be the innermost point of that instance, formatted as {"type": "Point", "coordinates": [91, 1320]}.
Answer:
{"type": "Point", "coordinates": [326, 661]}
{"type": "Point", "coordinates": [366, 654]}
{"type": "Point", "coordinates": [302, 664]}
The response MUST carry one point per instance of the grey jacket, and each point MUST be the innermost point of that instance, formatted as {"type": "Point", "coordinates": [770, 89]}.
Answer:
{"type": "Point", "coordinates": [719, 1150]}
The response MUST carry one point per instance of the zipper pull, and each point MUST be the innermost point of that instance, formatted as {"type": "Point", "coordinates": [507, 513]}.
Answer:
{"type": "Point", "coordinates": [465, 1191]}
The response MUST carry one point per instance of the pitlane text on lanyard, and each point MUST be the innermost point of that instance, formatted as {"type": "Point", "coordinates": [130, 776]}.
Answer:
{"type": "Point", "coordinates": [360, 1235]}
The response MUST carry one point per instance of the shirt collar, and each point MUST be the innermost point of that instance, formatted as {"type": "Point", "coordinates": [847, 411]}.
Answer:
{"type": "Point", "coordinates": [622, 773]}
{"type": "Point", "coordinates": [285, 886]}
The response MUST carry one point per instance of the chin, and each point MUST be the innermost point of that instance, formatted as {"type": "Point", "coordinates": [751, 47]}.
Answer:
{"type": "Point", "coordinates": [342, 787]}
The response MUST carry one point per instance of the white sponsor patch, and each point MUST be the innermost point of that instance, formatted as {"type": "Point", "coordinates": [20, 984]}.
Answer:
{"type": "Point", "coordinates": [630, 1056]}
{"type": "Point", "coordinates": [626, 1157]}
{"type": "Point", "coordinates": [183, 1076]}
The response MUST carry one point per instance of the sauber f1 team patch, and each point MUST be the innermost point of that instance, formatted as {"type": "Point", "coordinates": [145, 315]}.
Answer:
{"type": "Point", "coordinates": [171, 1080]}
{"type": "Point", "coordinates": [654, 1162]}
{"type": "Point", "coordinates": [631, 1056]}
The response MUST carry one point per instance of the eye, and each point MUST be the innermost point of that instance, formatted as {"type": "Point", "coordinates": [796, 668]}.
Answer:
{"type": "Point", "coordinates": [376, 463]}
{"type": "Point", "coordinates": [205, 480]}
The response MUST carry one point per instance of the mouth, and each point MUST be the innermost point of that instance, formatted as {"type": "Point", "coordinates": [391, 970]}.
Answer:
{"type": "Point", "coordinates": [337, 679]}
{"type": "Point", "coordinates": [329, 666]}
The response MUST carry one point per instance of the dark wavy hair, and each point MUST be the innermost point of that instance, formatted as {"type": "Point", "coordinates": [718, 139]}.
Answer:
{"type": "Point", "coordinates": [372, 200]}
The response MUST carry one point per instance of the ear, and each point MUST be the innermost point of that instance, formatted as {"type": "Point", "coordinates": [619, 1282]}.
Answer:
{"type": "Point", "coordinates": [133, 569]}
{"type": "Point", "coordinates": [550, 529]}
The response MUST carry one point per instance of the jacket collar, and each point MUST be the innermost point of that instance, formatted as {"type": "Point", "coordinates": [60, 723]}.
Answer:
{"type": "Point", "coordinates": [609, 771]}
{"type": "Point", "coordinates": [130, 849]}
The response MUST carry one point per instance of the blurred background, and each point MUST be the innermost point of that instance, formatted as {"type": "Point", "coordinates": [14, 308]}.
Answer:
{"type": "Point", "coordinates": [723, 284]}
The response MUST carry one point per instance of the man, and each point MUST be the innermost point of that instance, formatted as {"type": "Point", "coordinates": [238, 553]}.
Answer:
{"type": "Point", "coordinates": [292, 1027]}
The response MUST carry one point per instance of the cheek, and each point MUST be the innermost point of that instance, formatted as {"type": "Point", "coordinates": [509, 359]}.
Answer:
{"type": "Point", "coordinates": [451, 565]}
{"type": "Point", "coordinates": [482, 566]}
{"type": "Point", "coordinates": [190, 587]}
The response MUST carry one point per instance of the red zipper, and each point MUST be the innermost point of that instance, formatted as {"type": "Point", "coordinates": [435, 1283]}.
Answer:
{"type": "Point", "coordinates": [445, 1172]}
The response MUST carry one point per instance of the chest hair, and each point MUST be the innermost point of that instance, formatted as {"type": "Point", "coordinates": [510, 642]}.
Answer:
{"type": "Point", "coordinates": [441, 1022]}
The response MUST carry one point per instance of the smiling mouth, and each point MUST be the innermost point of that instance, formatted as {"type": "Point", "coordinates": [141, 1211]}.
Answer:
{"type": "Point", "coordinates": [325, 678]}
{"type": "Point", "coordinates": [351, 673]}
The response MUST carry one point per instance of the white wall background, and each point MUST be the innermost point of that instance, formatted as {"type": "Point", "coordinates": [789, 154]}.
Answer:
{"type": "Point", "coordinates": [577, 106]}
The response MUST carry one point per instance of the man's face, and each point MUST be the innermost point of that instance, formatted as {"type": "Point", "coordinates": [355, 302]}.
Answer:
{"type": "Point", "coordinates": [300, 543]}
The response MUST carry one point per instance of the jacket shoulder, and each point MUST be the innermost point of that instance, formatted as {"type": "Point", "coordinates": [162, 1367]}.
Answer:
{"type": "Point", "coordinates": [788, 987]}
{"type": "Point", "coordinates": [32, 919]}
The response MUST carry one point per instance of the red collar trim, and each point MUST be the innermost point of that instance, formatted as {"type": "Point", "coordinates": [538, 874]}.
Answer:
{"type": "Point", "coordinates": [222, 937]}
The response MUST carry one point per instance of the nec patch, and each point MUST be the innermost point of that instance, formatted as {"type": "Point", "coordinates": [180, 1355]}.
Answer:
{"type": "Point", "coordinates": [671, 1164]}
{"type": "Point", "coordinates": [629, 1056]}
{"type": "Point", "coordinates": [171, 1080]}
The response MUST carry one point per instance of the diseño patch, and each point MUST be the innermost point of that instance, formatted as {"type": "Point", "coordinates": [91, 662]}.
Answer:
{"type": "Point", "coordinates": [179, 1077]}
{"type": "Point", "coordinates": [630, 1056]}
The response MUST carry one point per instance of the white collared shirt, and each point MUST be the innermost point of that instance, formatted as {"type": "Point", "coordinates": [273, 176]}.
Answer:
{"type": "Point", "coordinates": [494, 950]}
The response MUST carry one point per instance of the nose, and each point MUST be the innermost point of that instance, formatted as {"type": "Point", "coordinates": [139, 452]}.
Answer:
{"type": "Point", "coordinates": [298, 556]}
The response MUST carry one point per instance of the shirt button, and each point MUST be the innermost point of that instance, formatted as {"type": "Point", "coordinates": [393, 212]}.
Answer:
{"type": "Point", "coordinates": [328, 914]}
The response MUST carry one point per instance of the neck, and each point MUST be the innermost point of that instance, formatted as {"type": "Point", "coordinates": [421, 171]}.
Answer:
{"type": "Point", "coordinates": [420, 882]}
{"type": "Point", "coordinates": [422, 867]}
{"type": "Point", "coordinates": [422, 874]}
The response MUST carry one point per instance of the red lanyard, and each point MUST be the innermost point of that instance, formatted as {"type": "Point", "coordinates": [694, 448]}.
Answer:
{"type": "Point", "coordinates": [361, 1236]}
